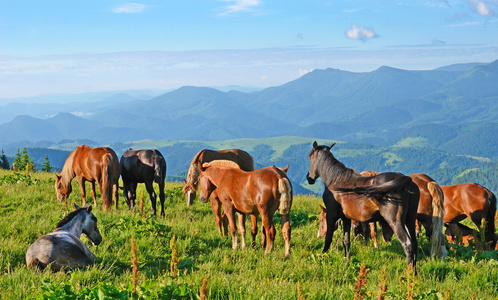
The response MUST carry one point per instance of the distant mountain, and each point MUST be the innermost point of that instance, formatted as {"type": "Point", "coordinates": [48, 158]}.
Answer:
{"type": "Point", "coordinates": [385, 106]}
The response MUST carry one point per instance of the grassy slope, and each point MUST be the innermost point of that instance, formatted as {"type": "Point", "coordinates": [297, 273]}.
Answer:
{"type": "Point", "coordinates": [29, 211]}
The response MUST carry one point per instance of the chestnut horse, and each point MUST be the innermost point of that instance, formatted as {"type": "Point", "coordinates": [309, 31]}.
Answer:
{"type": "Point", "coordinates": [474, 201]}
{"type": "Point", "coordinates": [143, 166]}
{"type": "Point", "coordinates": [259, 192]}
{"type": "Point", "coordinates": [99, 165]}
{"type": "Point", "coordinates": [391, 197]}
{"type": "Point", "coordinates": [242, 160]}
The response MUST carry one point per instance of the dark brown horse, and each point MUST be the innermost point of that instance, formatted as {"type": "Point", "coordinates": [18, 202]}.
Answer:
{"type": "Point", "coordinates": [99, 165]}
{"type": "Point", "coordinates": [391, 197]}
{"type": "Point", "coordinates": [259, 192]}
{"type": "Point", "coordinates": [143, 166]}
{"type": "Point", "coordinates": [242, 160]}
{"type": "Point", "coordinates": [474, 201]}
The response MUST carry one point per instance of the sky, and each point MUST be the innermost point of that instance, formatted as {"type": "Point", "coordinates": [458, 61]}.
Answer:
{"type": "Point", "coordinates": [77, 46]}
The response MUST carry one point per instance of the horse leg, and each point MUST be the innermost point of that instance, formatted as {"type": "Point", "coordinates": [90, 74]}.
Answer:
{"type": "Point", "coordinates": [254, 229]}
{"type": "Point", "coordinates": [152, 195]}
{"type": "Point", "coordinates": [286, 232]}
{"type": "Point", "coordinates": [346, 224]}
{"type": "Point", "coordinates": [242, 229]}
{"type": "Point", "coordinates": [373, 233]}
{"type": "Point", "coordinates": [403, 237]}
{"type": "Point", "coordinates": [387, 231]}
{"type": "Point", "coordinates": [161, 197]}
{"type": "Point", "coordinates": [81, 182]}
{"type": "Point", "coordinates": [92, 192]}
{"type": "Point", "coordinates": [115, 191]}
{"type": "Point", "coordinates": [269, 230]}
{"type": "Point", "coordinates": [230, 213]}
{"type": "Point", "coordinates": [216, 207]}
{"type": "Point", "coordinates": [365, 227]}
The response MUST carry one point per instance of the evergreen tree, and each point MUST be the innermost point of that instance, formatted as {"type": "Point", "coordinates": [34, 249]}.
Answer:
{"type": "Point", "coordinates": [47, 167]}
{"type": "Point", "coordinates": [25, 160]}
{"type": "Point", "coordinates": [17, 161]}
{"type": "Point", "coordinates": [4, 161]}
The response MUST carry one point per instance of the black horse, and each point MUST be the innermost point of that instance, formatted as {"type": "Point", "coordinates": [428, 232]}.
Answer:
{"type": "Point", "coordinates": [143, 166]}
{"type": "Point", "coordinates": [388, 197]}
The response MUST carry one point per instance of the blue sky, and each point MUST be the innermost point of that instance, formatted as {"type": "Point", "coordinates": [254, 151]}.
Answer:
{"type": "Point", "coordinates": [75, 46]}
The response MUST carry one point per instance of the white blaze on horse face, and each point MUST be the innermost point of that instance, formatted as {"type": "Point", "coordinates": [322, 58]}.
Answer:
{"type": "Point", "coordinates": [188, 198]}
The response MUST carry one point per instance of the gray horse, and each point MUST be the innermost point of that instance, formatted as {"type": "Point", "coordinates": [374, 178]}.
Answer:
{"type": "Point", "coordinates": [63, 248]}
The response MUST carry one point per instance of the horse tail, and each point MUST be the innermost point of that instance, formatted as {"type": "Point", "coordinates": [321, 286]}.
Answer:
{"type": "Point", "coordinates": [285, 190]}
{"type": "Point", "coordinates": [106, 180]}
{"type": "Point", "coordinates": [438, 249]}
{"type": "Point", "coordinates": [378, 191]}
{"type": "Point", "coordinates": [490, 219]}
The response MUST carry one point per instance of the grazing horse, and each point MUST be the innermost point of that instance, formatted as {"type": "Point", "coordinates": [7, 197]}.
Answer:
{"type": "Point", "coordinates": [456, 233]}
{"type": "Point", "coordinates": [143, 166]}
{"type": "Point", "coordinates": [474, 201]}
{"type": "Point", "coordinates": [242, 160]}
{"type": "Point", "coordinates": [99, 165]}
{"type": "Point", "coordinates": [391, 197]}
{"type": "Point", "coordinates": [63, 248]}
{"type": "Point", "coordinates": [259, 192]}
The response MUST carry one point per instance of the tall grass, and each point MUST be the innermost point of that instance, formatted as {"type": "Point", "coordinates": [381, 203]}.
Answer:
{"type": "Point", "coordinates": [206, 265]}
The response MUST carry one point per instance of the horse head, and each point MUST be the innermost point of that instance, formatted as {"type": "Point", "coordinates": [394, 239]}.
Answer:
{"type": "Point", "coordinates": [61, 189]}
{"type": "Point", "coordinates": [322, 229]}
{"type": "Point", "coordinates": [189, 191]}
{"type": "Point", "coordinates": [89, 226]}
{"type": "Point", "coordinates": [314, 161]}
{"type": "Point", "coordinates": [206, 187]}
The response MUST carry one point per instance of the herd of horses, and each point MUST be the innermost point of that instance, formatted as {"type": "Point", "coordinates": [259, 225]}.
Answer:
{"type": "Point", "coordinates": [227, 178]}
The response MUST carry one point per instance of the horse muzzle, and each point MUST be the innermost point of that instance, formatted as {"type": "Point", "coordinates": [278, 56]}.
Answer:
{"type": "Point", "coordinates": [310, 180]}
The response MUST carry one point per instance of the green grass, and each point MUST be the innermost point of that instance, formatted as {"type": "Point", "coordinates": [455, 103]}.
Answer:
{"type": "Point", "coordinates": [29, 209]}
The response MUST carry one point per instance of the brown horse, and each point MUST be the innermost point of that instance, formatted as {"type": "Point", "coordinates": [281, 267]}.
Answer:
{"type": "Point", "coordinates": [474, 201]}
{"type": "Point", "coordinates": [391, 197]}
{"type": "Point", "coordinates": [242, 160]}
{"type": "Point", "coordinates": [430, 211]}
{"type": "Point", "coordinates": [99, 165]}
{"type": "Point", "coordinates": [259, 192]}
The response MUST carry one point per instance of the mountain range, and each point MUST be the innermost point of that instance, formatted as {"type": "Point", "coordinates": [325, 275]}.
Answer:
{"type": "Point", "coordinates": [452, 108]}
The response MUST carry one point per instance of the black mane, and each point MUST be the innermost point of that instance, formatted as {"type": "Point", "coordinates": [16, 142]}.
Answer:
{"type": "Point", "coordinates": [334, 170]}
{"type": "Point", "coordinates": [69, 217]}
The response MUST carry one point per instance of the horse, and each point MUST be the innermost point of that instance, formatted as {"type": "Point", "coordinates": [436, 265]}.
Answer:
{"type": "Point", "coordinates": [259, 192]}
{"type": "Point", "coordinates": [390, 197]}
{"type": "Point", "coordinates": [143, 166]}
{"type": "Point", "coordinates": [458, 233]}
{"type": "Point", "coordinates": [63, 248]}
{"type": "Point", "coordinates": [99, 165]}
{"type": "Point", "coordinates": [474, 201]}
{"type": "Point", "coordinates": [430, 212]}
{"type": "Point", "coordinates": [241, 159]}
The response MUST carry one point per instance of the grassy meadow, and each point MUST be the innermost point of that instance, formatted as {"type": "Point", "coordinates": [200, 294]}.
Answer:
{"type": "Point", "coordinates": [207, 266]}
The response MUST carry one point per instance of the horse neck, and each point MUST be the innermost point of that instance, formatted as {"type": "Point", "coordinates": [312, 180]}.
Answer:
{"type": "Point", "coordinates": [193, 172]}
{"type": "Point", "coordinates": [334, 172]}
{"type": "Point", "coordinates": [67, 173]}
{"type": "Point", "coordinates": [75, 226]}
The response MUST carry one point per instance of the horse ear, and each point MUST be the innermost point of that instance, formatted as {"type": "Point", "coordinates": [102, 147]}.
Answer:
{"type": "Point", "coordinates": [184, 181]}
{"type": "Point", "coordinates": [89, 208]}
{"type": "Point", "coordinates": [199, 166]}
{"type": "Point", "coordinates": [286, 168]}
{"type": "Point", "coordinates": [75, 206]}
{"type": "Point", "coordinates": [58, 176]}
{"type": "Point", "coordinates": [323, 208]}
{"type": "Point", "coordinates": [315, 144]}
{"type": "Point", "coordinates": [330, 146]}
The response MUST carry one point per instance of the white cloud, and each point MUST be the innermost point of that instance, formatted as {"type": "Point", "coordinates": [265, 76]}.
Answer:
{"type": "Point", "coordinates": [129, 8]}
{"type": "Point", "coordinates": [239, 6]}
{"type": "Point", "coordinates": [360, 33]}
{"type": "Point", "coordinates": [483, 7]}
{"type": "Point", "coordinates": [304, 72]}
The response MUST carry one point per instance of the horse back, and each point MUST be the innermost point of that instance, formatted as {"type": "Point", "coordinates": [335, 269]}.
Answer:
{"type": "Point", "coordinates": [241, 157]}
{"type": "Point", "coordinates": [90, 162]}
{"type": "Point", "coordinates": [141, 165]}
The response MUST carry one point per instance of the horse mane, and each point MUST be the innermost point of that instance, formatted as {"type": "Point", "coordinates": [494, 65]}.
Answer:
{"type": "Point", "coordinates": [67, 173]}
{"type": "Point", "coordinates": [334, 170]}
{"type": "Point", "coordinates": [69, 217]}
{"type": "Point", "coordinates": [221, 163]}
{"type": "Point", "coordinates": [193, 170]}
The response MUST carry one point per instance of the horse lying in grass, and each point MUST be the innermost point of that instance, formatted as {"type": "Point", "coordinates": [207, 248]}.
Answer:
{"type": "Point", "coordinates": [259, 192]}
{"type": "Point", "coordinates": [63, 248]}
{"type": "Point", "coordinates": [391, 197]}
{"type": "Point", "coordinates": [143, 166]}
